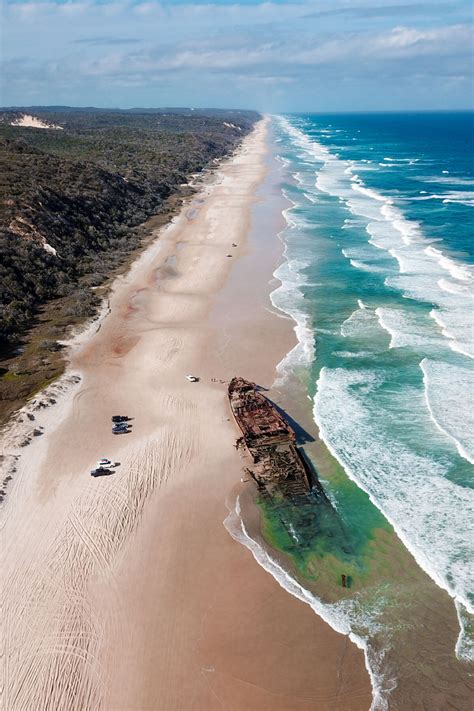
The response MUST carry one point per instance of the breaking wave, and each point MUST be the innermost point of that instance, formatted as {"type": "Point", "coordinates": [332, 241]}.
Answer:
{"type": "Point", "coordinates": [396, 475]}
{"type": "Point", "coordinates": [410, 489]}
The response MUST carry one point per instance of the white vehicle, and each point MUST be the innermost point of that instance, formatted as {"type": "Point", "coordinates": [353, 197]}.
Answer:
{"type": "Point", "coordinates": [192, 378]}
{"type": "Point", "coordinates": [104, 462]}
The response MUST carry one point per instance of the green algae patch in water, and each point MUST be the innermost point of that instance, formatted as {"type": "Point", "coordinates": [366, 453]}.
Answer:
{"type": "Point", "coordinates": [320, 544]}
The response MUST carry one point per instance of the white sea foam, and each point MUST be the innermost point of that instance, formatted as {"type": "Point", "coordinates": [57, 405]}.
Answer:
{"type": "Point", "coordinates": [457, 196]}
{"type": "Point", "coordinates": [449, 392]}
{"type": "Point", "coordinates": [389, 230]}
{"type": "Point", "coordinates": [408, 329]}
{"type": "Point", "coordinates": [369, 192]}
{"type": "Point", "coordinates": [423, 268]}
{"type": "Point", "coordinates": [365, 252]}
{"type": "Point", "coordinates": [299, 177]}
{"type": "Point", "coordinates": [348, 224]}
{"type": "Point", "coordinates": [287, 211]}
{"type": "Point", "coordinates": [453, 288]}
{"type": "Point", "coordinates": [457, 271]}
{"type": "Point", "coordinates": [450, 196]}
{"type": "Point", "coordinates": [460, 339]}
{"type": "Point", "coordinates": [282, 160]}
{"type": "Point", "coordinates": [363, 325]}
{"type": "Point", "coordinates": [354, 354]}
{"type": "Point", "coordinates": [367, 267]}
{"type": "Point", "coordinates": [410, 489]}
{"type": "Point", "coordinates": [361, 321]}
{"type": "Point", "coordinates": [454, 180]}
{"type": "Point", "coordinates": [287, 298]}
{"type": "Point", "coordinates": [340, 616]}
{"type": "Point", "coordinates": [465, 641]}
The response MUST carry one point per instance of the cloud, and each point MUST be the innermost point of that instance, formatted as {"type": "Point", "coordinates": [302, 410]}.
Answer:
{"type": "Point", "coordinates": [83, 49]}
{"type": "Point", "coordinates": [106, 40]}
{"type": "Point", "coordinates": [399, 43]}
{"type": "Point", "coordinates": [381, 11]}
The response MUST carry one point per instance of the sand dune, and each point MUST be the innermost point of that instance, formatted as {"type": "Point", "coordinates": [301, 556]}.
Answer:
{"type": "Point", "coordinates": [28, 121]}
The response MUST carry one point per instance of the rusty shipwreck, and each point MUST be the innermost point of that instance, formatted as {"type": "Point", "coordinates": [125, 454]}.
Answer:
{"type": "Point", "coordinates": [270, 441]}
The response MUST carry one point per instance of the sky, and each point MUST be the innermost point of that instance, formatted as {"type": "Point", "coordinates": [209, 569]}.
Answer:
{"type": "Point", "coordinates": [275, 56]}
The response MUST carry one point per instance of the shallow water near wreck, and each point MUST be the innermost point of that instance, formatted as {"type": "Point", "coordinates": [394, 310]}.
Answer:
{"type": "Point", "coordinates": [390, 606]}
{"type": "Point", "coordinates": [380, 288]}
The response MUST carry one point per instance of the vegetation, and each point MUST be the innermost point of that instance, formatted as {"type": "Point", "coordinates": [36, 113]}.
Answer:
{"type": "Point", "coordinates": [70, 196]}
{"type": "Point", "coordinates": [72, 206]}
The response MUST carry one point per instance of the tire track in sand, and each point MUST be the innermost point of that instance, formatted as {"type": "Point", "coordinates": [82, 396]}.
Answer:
{"type": "Point", "coordinates": [53, 638]}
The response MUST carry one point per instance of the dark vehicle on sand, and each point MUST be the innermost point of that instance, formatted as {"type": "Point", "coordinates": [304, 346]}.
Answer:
{"type": "Point", "coordinates": [101, 471]}
{"type": "Point", "coordinates": [121, 428]}
{"type": "Point", "coordinates": [120, 418]}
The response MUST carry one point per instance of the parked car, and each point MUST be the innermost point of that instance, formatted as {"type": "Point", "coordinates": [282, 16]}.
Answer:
{"type": "Point", "coordinates": [192, 378]}
{"type": "Point", "coordinates": [120, 418]}
{"type": "Point", "coordinates": [104, 462]}
{"type": "Point", "coordinates": [121, 428]}
{"type": "Point", "coordinates": [101, 471]}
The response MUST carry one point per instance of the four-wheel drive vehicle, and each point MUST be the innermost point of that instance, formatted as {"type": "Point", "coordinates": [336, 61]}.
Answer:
{"type": "Point", "coordinates": [105, 466]}
{"type": "Point", "coordinates": [101, 471]}
{"type": "Point", "coordinates": [120, 429]}
{"type": "Point", "coordinates": [104, 462]}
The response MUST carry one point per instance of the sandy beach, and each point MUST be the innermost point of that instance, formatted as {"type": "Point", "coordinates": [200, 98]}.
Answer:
{"type": "Point", "coordinates": [127, 591]}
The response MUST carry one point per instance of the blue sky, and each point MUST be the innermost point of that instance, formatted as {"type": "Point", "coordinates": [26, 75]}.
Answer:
{"type": "Point", "coordinates": [283, 55]}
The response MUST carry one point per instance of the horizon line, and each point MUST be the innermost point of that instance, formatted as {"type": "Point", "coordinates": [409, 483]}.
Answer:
{"type": "Point", "coordinates": [219, 108]}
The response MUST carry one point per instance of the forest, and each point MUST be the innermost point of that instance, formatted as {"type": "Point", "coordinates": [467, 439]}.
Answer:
{"type": "Point", "coordinates": [73, 199]}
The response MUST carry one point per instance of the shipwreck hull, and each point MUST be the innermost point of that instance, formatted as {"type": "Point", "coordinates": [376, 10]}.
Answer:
{"type": "Point", "coordinates": [269, 440]}
{"type": "Point", "coordinates": [258, 419]}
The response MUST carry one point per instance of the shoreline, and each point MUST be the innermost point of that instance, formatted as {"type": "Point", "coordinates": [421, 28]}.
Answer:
{"type": "Point", "coordinates": [441, 634]}
{"type": "Point", "coordinates": [244, 525]}
{"type": "Point", "coordinates": [155, 604]}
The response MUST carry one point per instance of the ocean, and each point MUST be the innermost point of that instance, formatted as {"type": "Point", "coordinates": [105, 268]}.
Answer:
{"type": "Point", "coordinates": [378, 277]}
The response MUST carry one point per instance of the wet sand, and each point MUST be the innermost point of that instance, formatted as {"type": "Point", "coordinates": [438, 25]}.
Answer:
{"type": "Point", "coordinates": [126, 591]}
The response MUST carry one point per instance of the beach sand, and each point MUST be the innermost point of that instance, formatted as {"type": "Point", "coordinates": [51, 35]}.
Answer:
{"type": "Point", "coordinates": [127, 591]}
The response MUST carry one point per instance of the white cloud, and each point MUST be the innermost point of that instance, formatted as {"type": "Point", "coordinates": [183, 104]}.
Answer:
{"type": "Point", "coordinates": [77, 45]}
{"type": "Point", "coordinates": [438, 40]}
{"type": "Point", "coordinates": [401, 42]}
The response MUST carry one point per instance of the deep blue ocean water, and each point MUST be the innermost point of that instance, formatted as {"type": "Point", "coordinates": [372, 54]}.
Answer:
{"type": "Point", "coordinates": [379, 277]}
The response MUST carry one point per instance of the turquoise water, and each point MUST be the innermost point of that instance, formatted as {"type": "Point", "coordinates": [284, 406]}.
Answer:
{"type": "Point", "coordinates": [379, 276]}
